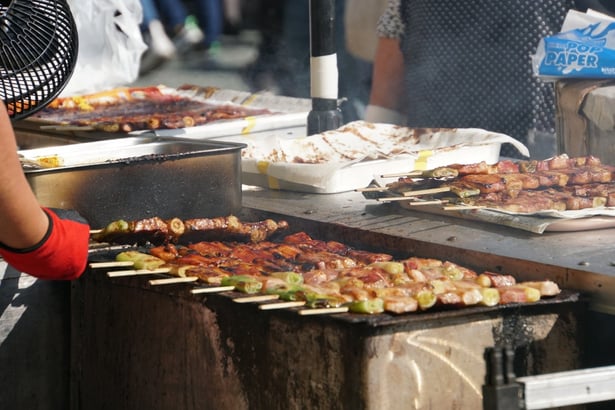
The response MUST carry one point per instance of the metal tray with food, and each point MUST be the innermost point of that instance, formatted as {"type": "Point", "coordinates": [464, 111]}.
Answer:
{"type": "Point", "coordinates": [136, 176]}
{"type": "Point", "coordinates": [558, 193]}
{"type": "Point", "coordinates": [191, 111]}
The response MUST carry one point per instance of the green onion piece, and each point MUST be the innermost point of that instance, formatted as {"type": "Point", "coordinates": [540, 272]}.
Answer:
{"type": "Point", "coordinates": [369, 306]}
{"type": "Point", "coordinates": [292, 278]}
{"type": "Point", "coordinates": [243, 283]}
{"type": "Point", "coordinates": [140, 260]}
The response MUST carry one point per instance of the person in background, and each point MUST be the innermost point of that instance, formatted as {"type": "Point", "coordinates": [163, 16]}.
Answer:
{"type": "Point", "coordinates": [160, 46]}
{"type": "Point", "coordinates": [360, 21]}
{"type": "Point", "coordinates": [267, 17]}
{"type": "Point", "coordinates": [181, 26]}
{"type": "Point", "coordinates": [232, 12]}
{"type": "Point", "coordinates": [211, 17]}
{"type": "Point", "coordinates": [286, 67]}
{"type": "Point", "coordinates": [172, 28]}
{"type": "Point", "coordinates": [182, 18]}
{"type": "Point", "coordinates": [295, 54]}
{"type": "Point", "coordinates": [467, 64]}
{"type": "Point", "coordinates": [33, 239]}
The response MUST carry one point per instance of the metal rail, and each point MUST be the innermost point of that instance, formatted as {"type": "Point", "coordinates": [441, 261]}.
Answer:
{"type": "Point", "coordinates": [503, 391]}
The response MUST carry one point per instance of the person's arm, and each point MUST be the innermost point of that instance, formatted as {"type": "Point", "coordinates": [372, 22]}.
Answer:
{"type": "Point", "coordinates": [22, 221]}
{"type": "Point", "coordinates": [387, 98]}
{"type": "Point", "coordinates": [388, 93]}
{"type": "Point", "coordinates": [32, 239]}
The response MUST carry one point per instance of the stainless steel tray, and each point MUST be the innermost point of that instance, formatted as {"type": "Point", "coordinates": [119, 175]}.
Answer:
{"type": "Point", "coordinates": [138, 177]}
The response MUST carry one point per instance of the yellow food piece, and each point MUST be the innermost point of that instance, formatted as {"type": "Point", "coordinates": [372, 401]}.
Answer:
{"type": "Point", "coordinates": [491, 296]}
{"type": "Point", "coordinates": [426, 299]}
{"type": "Point", "coordinates": [394, 268]}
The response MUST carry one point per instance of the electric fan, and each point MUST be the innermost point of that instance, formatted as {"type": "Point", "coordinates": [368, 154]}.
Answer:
{"type": "Point", "coordinates": [38, 53]}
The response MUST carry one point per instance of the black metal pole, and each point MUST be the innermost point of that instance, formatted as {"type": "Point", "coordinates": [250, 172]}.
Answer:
{"type": "Point", "coordinates": [501, 390]}
{"type": "Point", "coordinates": [325, 114]}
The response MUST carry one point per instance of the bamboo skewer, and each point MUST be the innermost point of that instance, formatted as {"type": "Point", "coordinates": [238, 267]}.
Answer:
{"type": "Point", "coordinates": [137, 272]}
{"type": "Point", "coordinates": [323, 311]}
{"type": "Point", "coordinates": [429, 191]}
{"type": "Point", "coordinates": [170, 281]}
{"type": "Point", "coordinates": [67, 127]}
{"type": "Point", "coordinates": [215, 289]}
{"type": "Point", "coordinates": [462, 207]}
{"type": "Point", "coordinates": [111, 264]}
{"type": "Point", "coordinates": [395, 199]}
{"type": "Point", "coordinates": [417, 192]}
{"type": "Point", "coordinates": [95, 231]}
{"type": "Point", "coordinates": [257, 298]}
{"type": "Point", "coordinates": [440, 172]}
{"type": "Point", "coordinates": [433, 202]}
{"type": "Point", "coordinates": [103, 247]}
{"type": "Point", "coordinates": [409, 195]}
{"type": "Point", "coordinates": [280, 305]}
{"type": "Point", "coordinates": [372, 189]}
{"type": "Point", "coordinates": [403, 174]}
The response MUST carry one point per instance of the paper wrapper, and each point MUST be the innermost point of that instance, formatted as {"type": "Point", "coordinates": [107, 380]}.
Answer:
{"type": "Point", "coordinates": [539, 222]}
{"type": "Point", "coordinates": [351, 156]}
{"type": "Point", "coordinates": [584, 48]}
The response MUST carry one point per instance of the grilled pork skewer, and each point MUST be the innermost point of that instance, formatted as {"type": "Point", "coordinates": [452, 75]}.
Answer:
{"type": "Point", "coordinates": [330, 275]}
{"type": "Point", "coordinates": [530, 166]}
{"type": "Point", "coordinates": [559, 183]}
{"type": "Point", "coordinates": [439, 172]}
{"type": "Point", "coordinates": [535, 201]}
{"type": "Point", "coordinates": [153, 230]}
{"type": "Point", "coordinates": [512, 182]}
{"type": "Point", "coordinates": [157, 231]}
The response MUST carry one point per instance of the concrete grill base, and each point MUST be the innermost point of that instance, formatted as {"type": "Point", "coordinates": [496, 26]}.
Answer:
{"type": "Point", "coordinates": [138, 346]}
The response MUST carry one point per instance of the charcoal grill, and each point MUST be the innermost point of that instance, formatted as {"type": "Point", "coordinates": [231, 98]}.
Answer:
{"type": "Point", "coordinates": [165, 347]}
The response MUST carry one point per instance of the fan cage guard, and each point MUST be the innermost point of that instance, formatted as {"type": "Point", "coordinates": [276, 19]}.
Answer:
{"type": "Point", "coordinates": [38, 53]}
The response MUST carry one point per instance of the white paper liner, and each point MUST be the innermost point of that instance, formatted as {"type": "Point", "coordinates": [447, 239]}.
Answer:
{"type": "Point", "coordinates": [540, 222]}
{"type": "Point", "coordinates": [572, 214]}
{"type": "Point", "coordinates": [361, 140]}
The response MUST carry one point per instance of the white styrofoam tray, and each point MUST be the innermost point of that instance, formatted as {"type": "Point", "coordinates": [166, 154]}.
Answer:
{"type": "Point", "coordinates": [360, 153]}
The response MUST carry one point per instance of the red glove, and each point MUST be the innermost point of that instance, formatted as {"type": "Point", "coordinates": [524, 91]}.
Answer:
{"type": "Point", "coordinates": [61, 254]}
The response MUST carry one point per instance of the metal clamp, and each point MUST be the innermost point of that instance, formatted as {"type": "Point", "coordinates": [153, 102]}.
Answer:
{"type": "Point", "coordinates": [503, 391]}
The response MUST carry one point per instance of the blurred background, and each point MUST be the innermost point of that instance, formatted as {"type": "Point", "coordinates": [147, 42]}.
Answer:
{"type": "Point", "coordinates": [251, 45]}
